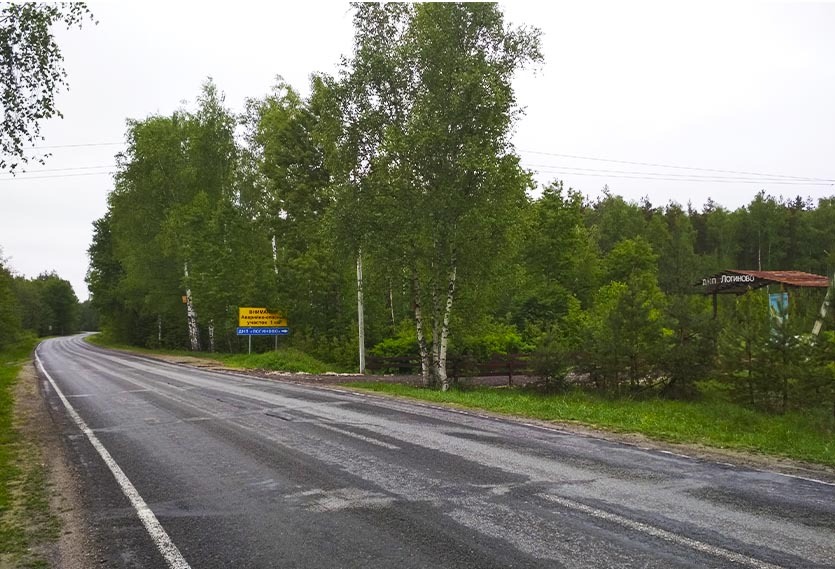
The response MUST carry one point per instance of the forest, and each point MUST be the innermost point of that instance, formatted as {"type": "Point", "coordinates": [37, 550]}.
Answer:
{"type": "Point", "coordinates": [42, 306]}
{"type": "Point", "coordinates": [400, 168]}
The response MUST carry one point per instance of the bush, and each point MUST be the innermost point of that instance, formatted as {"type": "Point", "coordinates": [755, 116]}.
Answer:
{"type": "Point", "coordinates": [404, 344]}
{"type": "Point", "coordinates": [492, 338]}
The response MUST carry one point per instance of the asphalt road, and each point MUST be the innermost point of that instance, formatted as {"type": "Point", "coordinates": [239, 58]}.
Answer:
{"type": "Point", "coordinates": [188, 468]}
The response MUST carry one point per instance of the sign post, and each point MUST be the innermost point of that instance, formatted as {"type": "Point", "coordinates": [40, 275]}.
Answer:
{"type": "Point", "coordinates": [261, 322]}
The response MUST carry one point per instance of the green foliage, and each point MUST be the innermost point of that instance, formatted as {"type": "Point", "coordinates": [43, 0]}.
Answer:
{"type": "Point", "coordinates": [551, 360]}
{"type": "Point", "coordinates": [818, 374]}
{"type": "Point", "coordinates": [404, 344]}
{"type": "Point", "coordinates": [287, 359]}
{"type": "Point", "coordinates": [47, 304]}
{"type": "Point", "coordinates": [24, 518]}
{"type": "Point", "coordinates": [743, 347]}
{"type": "Point", "coordinates": [491, 338]}
{"type": "Point", "coordinates": [10, 324]}
{"type": "Point", "coordinates": [560, 256]}
{"type": "Point", "coordinates": [88, 318]}
{"type": "Point", "coordinates": [622, 336]}
{"type": "Point", "coordinates": [32, 72]}
{"type": "Point", "coordinates": [404, 160]}
{"type": "Point", "coordinates": [692, 352]}
{"type": "Point", "coordinates": [428, 178]}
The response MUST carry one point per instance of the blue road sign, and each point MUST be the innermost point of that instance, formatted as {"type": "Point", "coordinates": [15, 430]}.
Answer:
{"type": "Point", "coordinates": [281, 331]}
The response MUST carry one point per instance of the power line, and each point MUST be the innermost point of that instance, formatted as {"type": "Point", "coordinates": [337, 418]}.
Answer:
{"type": "Point", "coordinates": [657, 165]}
{"type": "Point", "coordinates": [74, 145]}
{"type": "Point", "coordinates": [26, 178]}
{"type": "Point", "coordinates": [673, 176]}
{"type": "Point", "coordinates": [39, 170]}
{"type": "Point", "coordinates": [660, 177]}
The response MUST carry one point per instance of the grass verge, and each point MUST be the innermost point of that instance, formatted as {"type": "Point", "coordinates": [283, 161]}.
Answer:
{"type": "Point", "coordinates": [801, 436]}
{"type": "Point", "coordinates": [26, 522]}
{"type": "Point", "coordinates": [285, 359]}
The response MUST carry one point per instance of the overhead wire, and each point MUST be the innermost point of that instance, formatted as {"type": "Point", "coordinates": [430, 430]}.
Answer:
{"type": "Point", "coordinates": [39, 170]}
{"type": "Point", "coordinates": [737, 177]}
{"type": "Point", "coordinates": [677, 167]}
{"type": "Point", "coordinates": [671, 174]}
{"type": "Point", "coordinates": [663, 178]}
{"type": "Point", "coordinates": [51, 147]}
{"type": "Point", "coordinates": [26, 178]}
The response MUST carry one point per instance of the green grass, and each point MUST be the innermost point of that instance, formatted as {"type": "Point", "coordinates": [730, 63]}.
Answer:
{"type": "Point", "coordinates": [11, 360]}
{"type": "Point", "coordinates": [285, 359]}
{"type": "Point", "coordinates": [803, 436]}
{"type": "Point", "coordinates": [25, 517]}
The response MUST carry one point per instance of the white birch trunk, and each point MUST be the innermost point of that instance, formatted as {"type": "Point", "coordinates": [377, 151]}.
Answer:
{"type": "Point", "coordinates": [441, 362]}
{"type": "Point", "coordinates": [824, 309]}
{"type": "Point", "coordinates": [436, 335]}
{"type": "Point", "coordinates": [421, 338]}
{"type": "Point", "coordinates": [211, 336]}
{"type": "Point", "coordinates": [191, 317]}
{"type": "Point", "coordinates": [275, 254]}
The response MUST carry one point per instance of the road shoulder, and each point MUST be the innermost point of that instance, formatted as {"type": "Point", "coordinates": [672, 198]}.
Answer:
{"type": "Point", "coordinates": [62, 537]}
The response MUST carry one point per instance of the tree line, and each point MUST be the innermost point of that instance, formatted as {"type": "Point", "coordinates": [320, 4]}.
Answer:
{"type": "Point", "coordinates": [45, 306]}
{"type": "Point", "coordinates": [400, 169]}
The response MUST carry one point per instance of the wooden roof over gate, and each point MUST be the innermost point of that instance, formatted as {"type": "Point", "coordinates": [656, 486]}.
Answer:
{"type": "Point", "coordinates": [735, 281]}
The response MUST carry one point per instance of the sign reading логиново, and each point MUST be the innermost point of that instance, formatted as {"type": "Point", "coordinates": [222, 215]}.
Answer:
{"type": "Point", "coordinates": [249, 317]}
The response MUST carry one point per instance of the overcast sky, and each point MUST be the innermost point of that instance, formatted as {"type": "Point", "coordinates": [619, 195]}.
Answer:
{"type": "Point", "coordinates": [739, 87]}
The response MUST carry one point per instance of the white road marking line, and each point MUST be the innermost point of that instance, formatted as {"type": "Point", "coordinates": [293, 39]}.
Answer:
{"type": "Point", "coordinates": [662, 534]}
{"type": "Point", "coordinates": [158, 535]}
{"type": "Point", "coordinates": [358, 436]}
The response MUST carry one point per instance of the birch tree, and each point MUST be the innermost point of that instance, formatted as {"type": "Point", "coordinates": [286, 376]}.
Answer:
{"type": "Point", "coordinates": [173, 223]}
{"type": "Point", "coordinates": [435, 177]}
{"type": "Point", "coordinates": [31, 72]}
{"type": "Point", "coordinates": [285, 140]}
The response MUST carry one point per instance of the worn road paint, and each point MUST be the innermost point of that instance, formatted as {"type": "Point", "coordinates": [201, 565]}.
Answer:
{"type": "Point", "coordinates": [358, 436]}
{"type": "Point", "coordinates": [662, 534]}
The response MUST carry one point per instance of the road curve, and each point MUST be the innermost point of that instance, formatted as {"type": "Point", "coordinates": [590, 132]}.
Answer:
{"type": "Point", "coordinates": [243, 472]}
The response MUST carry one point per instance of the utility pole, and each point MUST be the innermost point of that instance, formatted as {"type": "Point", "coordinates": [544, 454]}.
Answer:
{"type": "Point", "coordinates": [360, 317]}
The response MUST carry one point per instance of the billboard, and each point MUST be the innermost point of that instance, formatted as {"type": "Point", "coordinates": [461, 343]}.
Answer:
{"type": "Point", "coordinates": [249, 317]}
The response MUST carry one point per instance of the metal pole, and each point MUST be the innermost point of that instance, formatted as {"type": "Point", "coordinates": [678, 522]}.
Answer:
{"type": "Point", "coordinates": [276, 342]}
{"type": "Point", "coordinates": [250, 343]}
{"type": "Point", "coordinates": [360, 317]}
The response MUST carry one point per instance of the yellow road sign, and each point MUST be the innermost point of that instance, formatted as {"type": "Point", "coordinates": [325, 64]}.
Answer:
{"type": "Point", "coordinates": [259, 317]}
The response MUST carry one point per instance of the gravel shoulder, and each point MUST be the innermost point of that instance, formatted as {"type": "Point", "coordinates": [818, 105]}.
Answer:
{"type": "Point", "coordinates": [52, 514]}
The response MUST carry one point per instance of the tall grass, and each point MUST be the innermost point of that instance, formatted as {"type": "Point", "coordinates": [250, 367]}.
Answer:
{"type": "Point", "coordinates": [804, 436]}
{"type": "Point", "coordinates": [11, 360]}
{"type": "Point", "coordinates": [22, 484]}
